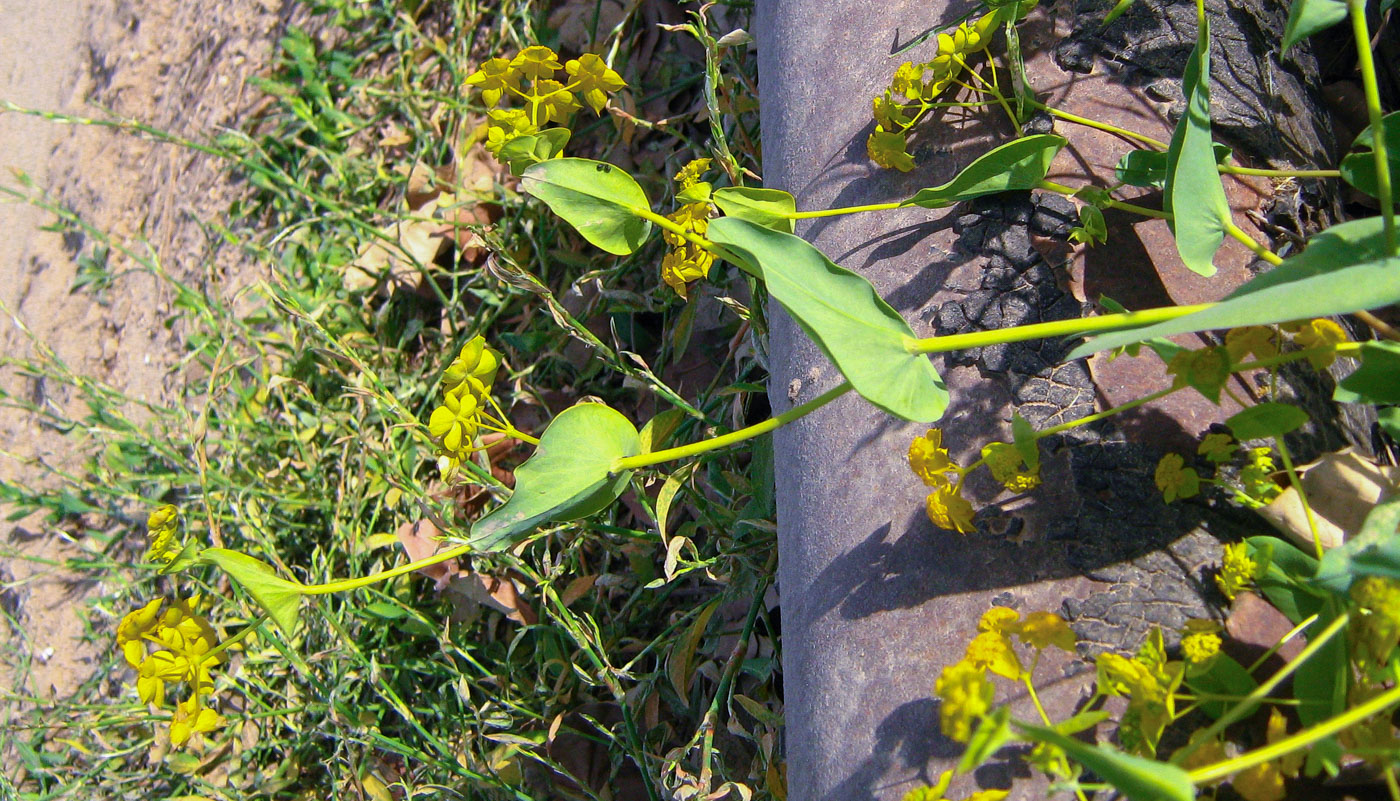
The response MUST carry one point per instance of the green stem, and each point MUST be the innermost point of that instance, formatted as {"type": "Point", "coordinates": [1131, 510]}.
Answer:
{"type": "Point", "coordinates": [771, 424]}
{"type": "Point", "coordinates": [667, 224]}
{"type": "Point", "coordinates": [1231, 169]}
{"type": "Point", "coordinates": [1258, 694]}
{"type": "Point", "coordinates": [1093, 418]}
{"type": "Point", "coordinates": [235, 639]}
{"type": "Point", "coordinates": [807, 215]}
{"type": "Point", "coordinates": [1298, 741]}
{"type": "Point", "coordinates": [384, 575]}
{"type": "Point", "coordinates": [1056, 328]}
{"type": "Point", "coordinates": [1302, 496]}
{"type": "Point", "coordinates": [1248, 241]}
{"type": "Point", "coordinates": [1070, 191]}
{"type": "Point", "coordinates": [1102, 126]}
{"type": "Point", "coordinates": [1357, 9]}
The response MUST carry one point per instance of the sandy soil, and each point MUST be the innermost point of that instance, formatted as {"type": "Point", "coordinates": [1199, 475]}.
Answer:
{"type": "Point", "coordinates": [182, 67]}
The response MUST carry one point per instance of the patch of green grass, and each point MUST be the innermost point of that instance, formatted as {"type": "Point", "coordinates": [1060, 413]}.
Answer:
{"type": "Point", "coordinates": [642, 666]}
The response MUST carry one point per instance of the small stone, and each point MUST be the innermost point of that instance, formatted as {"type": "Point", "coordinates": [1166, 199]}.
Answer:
{"type": "Point", "coordinates": [1075, 56]}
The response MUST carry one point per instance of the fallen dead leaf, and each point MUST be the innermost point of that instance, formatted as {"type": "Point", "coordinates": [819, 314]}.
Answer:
{"type": "Point", "coordinates": [1341, 488]}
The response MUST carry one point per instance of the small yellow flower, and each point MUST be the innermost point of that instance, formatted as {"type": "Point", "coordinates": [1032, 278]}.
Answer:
{"type": "Point", "coordinates": [693, 217]}
{"type": "Point", "coordinates": [929, 459]}
{"type": "Point", "coordinates": [908, 80]}
{"type": "Point", "coordinates": [1200, 644]}
{"type": "Point", "coordinates": [1321, 333]}
{"type": "Point", "coordinates": [555, 101]}
{"type": "Point", "coordinates": [887, 150]}
{"type": "Point", "coordinates": [682, 265]}
{"type": "Point", "coordinates": [949, 510]}
{"type": "Point", "coordinates": [1217, 447]}
{"type": "Point", "coordinates": [594, 80]}
{"type": "Point", "coordinates": [536, 62]}
{"type": "Point", "coordinates": [191, 718]}
{"type": "Point", "coordinates": [966, 696]}
{"type": "Point", "coordinates": [1276, 731]}
{"type": "Point", "coordinates": [1257, 476]}
{"type": "Point", "coordinates": [494, 77]}
{"type": "Point", "coordinates": [991, 650]}
{"type": "Point", "coordinates": [475, 360]}
{"type": "Point", "coordinates": [453, 424]}
{"type": "Point", "coordinates": [162, 534]}
{"type": "Point", "coordinates": [889, 114]}
{"type": "Point", "coordinates": [689, 175]}
{"type": "Point", "coordinates": [1174, 479]}
{"type": "Point", "coordinates": [1205, 754]}
{"type": "Point", "coordinates": [934, 793]}
{"type": "Point", "coordinates": [1005, 463]}
{"type": "Point", "coordinates": [999, 619]}
{"type": "Point", "coordinates": [1237, 570]}
{"type": "Point", "coordinates": [1258, 341]}
{"type": "Point", "coordinates": [1041, 630]}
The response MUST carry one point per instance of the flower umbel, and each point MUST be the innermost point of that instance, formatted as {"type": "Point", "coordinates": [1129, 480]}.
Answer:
{"type": "Point", "coordinates": [173, 644]}
{"type": "Point", "coordinates": [967, 696]}
{"type": "Point", "coordinates": [162, 532]}
{"type": "Point", "coordinates": [929, 459]}
{"type": "Point", "coordinates": [949, 510]}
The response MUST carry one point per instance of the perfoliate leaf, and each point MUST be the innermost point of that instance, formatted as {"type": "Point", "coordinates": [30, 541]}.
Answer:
{"type": "Point", "coordinates": [1135, 777]}
{"type": "Point", "coordinates": [770, 208]}
{"type": "Point", "coordinates": [1266, 420]}
{"type": "Point", "coordinates": [1018, 164]}
{"type": "Point", "coordinates": [1149, 167]}
{"type": "Point", "coordinates": [865, 338]}
{"type": "Point", "coordinates": [568, 477]}
{"type": "Point", "coordinates": [279, 598]}
{"type": "Point", "coordinates": [524, 152]}
{"type": "Point", "coordinates": [1359, 167]}
{"type": "Point", "coordinates": [1199, 221]}
{"type": "Point", "coordinates": [1307, 17]}
{"type": "Point", "coordinates": [1343, 270]}
{"type": "Point", "coordinates": [597, 199]}
{"type": "Point", "coordinates": [1023, 434]}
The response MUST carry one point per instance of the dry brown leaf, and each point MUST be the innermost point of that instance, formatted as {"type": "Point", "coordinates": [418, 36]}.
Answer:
{"type": "Point", "coordinates": [1341, 488]}
{"type": "Point", "coordinates": [495, 593]}
{"type": "Point", "coordinates": [420, 539]}
{"type": "Point", "coordinates": [577, 588]}
{"type": "Point", "coordinates": [575, 22]}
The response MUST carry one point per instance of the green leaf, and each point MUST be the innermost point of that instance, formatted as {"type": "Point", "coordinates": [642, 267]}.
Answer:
{"type": "Point", "coordinates": [1199, 223]}
{"type": "Point", "coordinates": [1023, 435]}
{"type": "Point", "coordinates": [1266, 420]}
{"type": "Point", "coordinates": [843, 314]}
{"type": "Point", "coordinates": [1092, 229]}
{"type": "Point", "coordinates": [993, 731]}
{"type": "Point", "coordinates": [1359, 167]}
{"type": "Point", "coordinates": [279, 598]}
{"type": "Point", "coordinates": [1374, 551]}
{"type": "Point", "coordinates": [770, 208]}
{"type": "Point", "coordinates": [1320, 684]}
{"type": "Point", "coordinates": [597, 199]}
{"type": "Point", "coordinates": [1135, 777]}
{"type": "Point", "coordinates": [1149, 167]}
{"type": "Point", "coordinates": [187, 558]}
{"type": "Point", "coordinates": [659, 429]}
{"type": "Point", "coordinates": [1226, 677]}
{"type": "Point", "coordinates": [1307, 17]}
{"type": "Point", "coordinates": [1343, 270]}
{"type": "Point", "coordinates": [568, 476]}
{"type": "Point", "coordinates": [1018, 164]}
{"type": "Point", "coordinates": [667, 495]}
{"type": "Point", "coordinates": [526, 151]}
{"type": "Point", "coordinates": [1377, 380]}
{"type": "Point", "coordinates": [1283, 580]}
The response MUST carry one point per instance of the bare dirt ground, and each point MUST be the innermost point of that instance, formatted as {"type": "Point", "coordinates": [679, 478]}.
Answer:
{"type": "Point", "coordinates": [181, 67]}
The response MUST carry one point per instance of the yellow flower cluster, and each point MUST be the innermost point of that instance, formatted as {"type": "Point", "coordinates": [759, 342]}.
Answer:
{"type": "Point", "coordinates": [1150, 684]}
{"type": "Point", "coordinates": [1238, 570]}
{"type": "Point", "coordinates": [914, 89]}
{"type": "Point", "coordinates": [466, 393]}
{"type": "Point", "coordinates": [532, 80]}
{"type": "Point", "coordinates": [1376, 629]}
{"type": "Point", "coordinates": [1200, 645]}
{"type": "Point", "coordinates": [936, 792]}
{"type": "Point", "coordinates": [174, 644]}
{"type": "Point", "coordinates": [687, 261]}
{"type": "Point", "coordinates": [946, 506]}
{"type": "Point", "coordinates": [963, 686]}
{"type": "Point", "coordinates": [1265, 781]}
{"type": "Point", "coordinates": [162, 532]}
